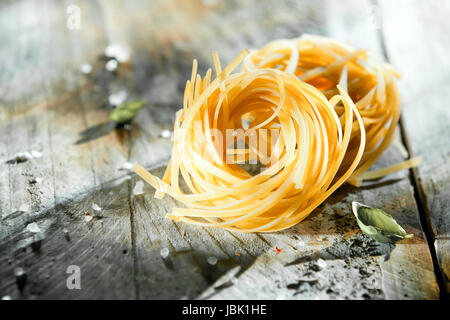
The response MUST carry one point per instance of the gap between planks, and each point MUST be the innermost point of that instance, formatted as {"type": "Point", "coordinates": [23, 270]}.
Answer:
{"type": "Point", "coordinates": [418, 192]}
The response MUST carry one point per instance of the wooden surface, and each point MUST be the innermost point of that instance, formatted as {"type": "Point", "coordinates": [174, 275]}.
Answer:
{"type": "Point", "coordinates": [47, 105]}
{"type": "Point", "coordinates": [426, 122]}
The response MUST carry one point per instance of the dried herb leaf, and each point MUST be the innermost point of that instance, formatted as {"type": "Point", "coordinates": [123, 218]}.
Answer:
{"type": "Point", "coordinates": [126, 111]}
{"type": "Point", "coordinates": [378, 224]}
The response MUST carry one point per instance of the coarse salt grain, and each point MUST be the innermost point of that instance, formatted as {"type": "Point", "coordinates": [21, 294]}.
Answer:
{"type": "Point", "coordinates": [117, 51]}
{"type": "Point", "coordinates": [96, 207]}
{"type": "Point", "coordinates": [164, 253]}
{"type": "Point", "coordinates": [166, 134]}
{"type": "Point", "coordinates": [36, 154]}
{"type": "Point", "coordinates": [33, 227]}
{"type": "Point", "coordinates": [88, 218]}
{"type": "Point", "coordinates": [117, 98]}
{"type": "Point", "coordinates": [19, 272]}
{"type": "Point", "coordinates": [138, 188]}
{"type": "Point", "coordinates": [300, 244]}
{"type": "Point", "coordinates": [127, 166]}
{"type": "Point", "coordinates": [321, 263]}
{"type": "Point", "coordinates": [212, 261]}
{"type": "Point", "coordinates": [66, 234]}
{"type": "Point", "coordinates": [111, 65]}
{"type": "Point", "coordinates": [6, 298]}
{"type": "Point", "coordinates": [86, 68]}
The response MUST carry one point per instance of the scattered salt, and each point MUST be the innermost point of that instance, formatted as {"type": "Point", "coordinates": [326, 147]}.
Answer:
{"type": "Point", "coordinates": [118, 52]}
{"type": "Point", "coordinates": [111, 65]}
{"type": "Point", "coordinates": [87, 218]}
{"type": "Point", "coordinates": [6, 298]}
{"type": "Point", "coordinates": [300, 244]}
{"type": "Point", "coordinates": [24, 208]}
{"type": "Point", "coordinates": [21, 277]}
{"type": "Point", "coordinates": [96, 207]}
{"type": "Point", "coordinates": [138, 188]}
{"type": "Point", "coordinates": [164, 253]}
{"type": "Point", "coordinates": [212, 261]}
{"type": "Point", "coordinates": [85, 68]}
{"type": "Point", "coordinates": [36, 154]}
{"type": "Point", "coordinates": [19, 272]}
{"type": "Point", "coordinates": [126, 166]}
{"type": "Point", "coordinates": [38, 180]}
{"type": "Point", "coordinates": [66, 234]}
{"type": "Point", "coordinates": [33, 227]}
{"type": "Point", "coordinates": [116, 99]}
{"type": "Point", "coordinates": [321, 263]}
{"type": "Point", "coordinates": [166, 134]}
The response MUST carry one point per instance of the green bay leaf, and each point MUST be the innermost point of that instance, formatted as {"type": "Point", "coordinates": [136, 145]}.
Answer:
{"type": "Point", "coordinates": [126, 111]}
{"type": "Point", "coordinates": [378, 224]}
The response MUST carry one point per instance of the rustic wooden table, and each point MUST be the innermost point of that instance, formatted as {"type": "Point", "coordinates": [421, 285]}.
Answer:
{"type": "Point", "coordinates": [47, 105]}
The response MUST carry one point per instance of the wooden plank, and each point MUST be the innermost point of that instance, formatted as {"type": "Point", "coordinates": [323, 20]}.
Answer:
{"type": "Point", "coordinates": [330, 228]}
{"type": "Point", "coordinates": [417, 43]}
{"type": "Point", "coordinates": [125, 244]}
{"type": "Point", "coordinates": [401, 271]}
{"type": "Point", "coordinates": [39, 116]}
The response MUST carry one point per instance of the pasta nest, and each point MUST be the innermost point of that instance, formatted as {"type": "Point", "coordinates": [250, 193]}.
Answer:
{"type": "Point", "coordinates": [301, 142]}
{"type": "Point", "coordinates": [257, 150]}
{"type": "Point", "coordinates": [325, 63]}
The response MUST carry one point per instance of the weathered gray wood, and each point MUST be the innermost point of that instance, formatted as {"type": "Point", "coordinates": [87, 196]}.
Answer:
{"type": "Point", "coordinates": [46, 105]}
{"type": "Point", "coordinates": [361, 29]}
{"type": "Point", "coordinates": [272, 275]}
{"type": "Point", "coordinates": [416, 34]}
{"type": "Point", "coordinates": [40, 119]}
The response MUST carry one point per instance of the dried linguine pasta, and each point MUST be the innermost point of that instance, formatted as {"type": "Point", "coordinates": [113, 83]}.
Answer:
{"type": "Point", "coordinates": [311, 113]}
{"type": "Point", "coordinates": [302, 165]}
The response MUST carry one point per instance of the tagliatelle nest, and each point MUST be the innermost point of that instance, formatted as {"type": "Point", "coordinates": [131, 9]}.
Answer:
{"type": "Point", "coordinates": [307, 141]}
{"type": "Point", "coordinates": [325, 63]}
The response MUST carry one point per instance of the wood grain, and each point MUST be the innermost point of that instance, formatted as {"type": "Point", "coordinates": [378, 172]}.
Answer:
{"type": "Point", "coordinates": [416, 41]}
{"type": "Point", "coordinates": [67, 169]}
{"type": "Point", "coordinates": [390, 279]}
{"type": "Point", "coordinates": [47, 105]}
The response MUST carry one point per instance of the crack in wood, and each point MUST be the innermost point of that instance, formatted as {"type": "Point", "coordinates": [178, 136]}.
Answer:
{"type": "Point", "coordinates": [414, 178]}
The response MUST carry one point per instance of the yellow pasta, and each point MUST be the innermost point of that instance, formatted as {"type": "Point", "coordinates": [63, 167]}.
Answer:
{"type": "Point", "coordinates": [324, 63]}
{"type": "Point", "coordinates": [303, 163]}
{"type": "Point", "coordinates": [311, 113]}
